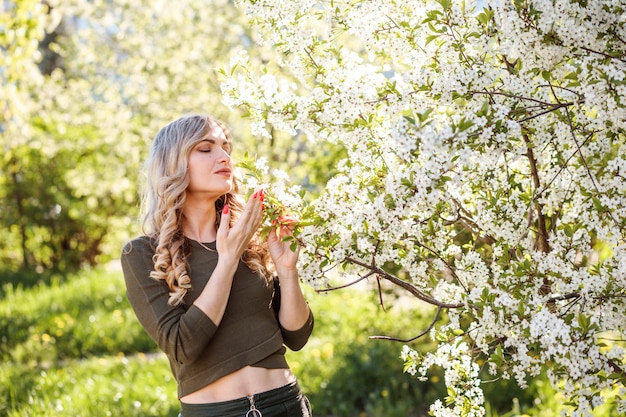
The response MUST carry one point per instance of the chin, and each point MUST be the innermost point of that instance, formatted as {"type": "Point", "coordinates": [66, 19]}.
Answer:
{"type": "Point", "coordinates": [229, 188]}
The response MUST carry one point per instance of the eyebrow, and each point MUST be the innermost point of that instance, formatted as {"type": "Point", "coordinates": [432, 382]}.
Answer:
{"type": "Point", "coordinates": [213, 141]}
{"type": "Point", "coordinates": [225, 142]}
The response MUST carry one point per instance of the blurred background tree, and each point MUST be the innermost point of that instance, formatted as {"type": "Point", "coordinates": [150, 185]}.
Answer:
{"type": "Point", "coordinates": [85, 86]}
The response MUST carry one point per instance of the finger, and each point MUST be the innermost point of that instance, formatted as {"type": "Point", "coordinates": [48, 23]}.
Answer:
{"type": "Point", "coordinates": [280, 233]}
{"type": "Point", "coordinates": [224, 221]}
{"type": "Point", "coordinates": [258, 208]}
{"type": "Point", "coordinates": [288, 221]}
{"type": "Point", "coordinates": [251, 217]}
{"type": "Point", "coordinates": [255, 202]}
{"type": "Point", "coordinates": [273, 235]}
{"type": "Point", "coordinates": [287, 218]}
{"type": "Point", "coordinates": [254, 207]}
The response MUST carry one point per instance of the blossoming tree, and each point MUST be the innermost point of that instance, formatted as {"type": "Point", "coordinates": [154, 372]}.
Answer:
{"type": "Point", "coordinates": [486, 174]}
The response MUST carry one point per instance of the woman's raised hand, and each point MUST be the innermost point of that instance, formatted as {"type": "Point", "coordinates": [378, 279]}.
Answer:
{"type": "Point", "coordinates": [231, 242]}
{"type": "Point", "coordinates": [280, 250]}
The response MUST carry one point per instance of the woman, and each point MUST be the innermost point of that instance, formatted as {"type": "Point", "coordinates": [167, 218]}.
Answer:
{"type": "Point", "coordinates": [219, 302]}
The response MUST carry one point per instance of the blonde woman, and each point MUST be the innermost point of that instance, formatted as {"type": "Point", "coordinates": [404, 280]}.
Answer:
{"type": "Point", "coordinates": [219, 302]}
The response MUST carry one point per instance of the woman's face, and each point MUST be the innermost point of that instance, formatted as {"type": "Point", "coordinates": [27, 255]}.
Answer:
{"type": "Point", "coordinates": [210, 166]}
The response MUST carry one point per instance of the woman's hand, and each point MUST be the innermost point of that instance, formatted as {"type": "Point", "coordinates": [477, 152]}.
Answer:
{"type": "Point", "coordinates": [231, 243]}
{"type": "Point", "coordinates": [283, 257]}
{"type": "Point", "coordinates": [294, 311]}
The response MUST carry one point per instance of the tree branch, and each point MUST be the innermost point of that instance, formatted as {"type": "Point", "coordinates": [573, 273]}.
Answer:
{"type": "Point", "coordinates": [428, 329]}
{"type": "Point", "coordinates": [542, 237]}
{"type": "Point", "coordinates": [617, 369]}
{"type": "Point", "coordinates": [534, 100]}
{"type": "Point", "coordinates": [403, 284]}
{"type": "Point", "coordinates": [380, 294]}
{"type": "Point", "coordinates": [604, 54]}
{"type": "Point", "coordinates": [552, 108]}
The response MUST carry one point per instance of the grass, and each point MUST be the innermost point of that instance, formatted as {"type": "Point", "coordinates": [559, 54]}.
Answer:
{"type": "Point", "coordinates": [73, 347]}
{"type": "Point", "coordinates": [104, 386]}
{"type": "Point", "coordinates": [84, 316]}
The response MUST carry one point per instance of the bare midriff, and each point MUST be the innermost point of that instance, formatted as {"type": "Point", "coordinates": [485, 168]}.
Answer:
{"type": "Point", "coordinates": [242, 383]}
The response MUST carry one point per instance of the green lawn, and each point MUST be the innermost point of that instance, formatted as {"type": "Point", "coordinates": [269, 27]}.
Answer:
{"type": "Point", "coordinates": [73, 347]}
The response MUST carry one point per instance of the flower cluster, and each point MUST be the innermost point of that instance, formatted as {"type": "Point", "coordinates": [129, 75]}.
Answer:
{"type": "Point", "coordinates": [461, 376]}
{"type": "Point", "coordinates": [485, 169]}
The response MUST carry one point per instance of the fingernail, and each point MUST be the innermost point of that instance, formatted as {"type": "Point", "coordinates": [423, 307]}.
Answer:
{"type": "Point", "coordinates": [255, 195]}
{"type": "Point", "coordinates": [225, 209]}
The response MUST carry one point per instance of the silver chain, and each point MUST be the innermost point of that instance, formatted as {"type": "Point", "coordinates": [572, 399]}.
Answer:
{"type": "Point", "coordinates": [253, 411]}
{"type": "Point", "coordinates": [205, 247]}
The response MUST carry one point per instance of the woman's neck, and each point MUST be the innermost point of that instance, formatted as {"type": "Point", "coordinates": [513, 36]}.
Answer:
{"type": "Point", "coordinates": [199, 223]}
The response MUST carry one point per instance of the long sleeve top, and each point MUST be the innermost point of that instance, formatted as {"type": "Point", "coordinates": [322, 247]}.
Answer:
{"type": "Point", "coordinates": [199, 351]}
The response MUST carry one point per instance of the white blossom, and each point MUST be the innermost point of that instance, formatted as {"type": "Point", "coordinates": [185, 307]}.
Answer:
{"type": "Point", "coordinates": [485, 161]}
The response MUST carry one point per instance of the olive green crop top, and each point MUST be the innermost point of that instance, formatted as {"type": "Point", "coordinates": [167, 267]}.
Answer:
{"type": "Point", "coordinates": [200, 352]}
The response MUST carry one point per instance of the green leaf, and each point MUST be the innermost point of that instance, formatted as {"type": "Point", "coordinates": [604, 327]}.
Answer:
{"type": "Point", "coordinates": [445, 4]}
{"type": "Point", "coordinates": [597, 204]}
{"type": "Point", "coordinates": [484, 110]}
{"type": "Point", "coordinates": [485, 16]}
{"type": "Point", "coordinates": [410, 119]}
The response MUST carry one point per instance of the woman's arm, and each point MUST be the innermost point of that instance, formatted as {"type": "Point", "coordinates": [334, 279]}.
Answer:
{"type": "Point", "coordinates": [180, 332]}
{"type": "Point", "coordinates": [294, 311]}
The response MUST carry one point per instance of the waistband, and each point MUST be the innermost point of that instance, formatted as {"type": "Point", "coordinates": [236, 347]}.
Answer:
{"type": "Point", "coordinates": [242, 405]}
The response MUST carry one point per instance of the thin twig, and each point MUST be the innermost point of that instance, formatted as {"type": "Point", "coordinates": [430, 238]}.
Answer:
{"type": "Point", "coordinates": [564, 297]}
{"type": "Point", "coordinates": [369, 274]}
{"type": "Point", "coordinates": [499, 93]}
{"type": "Point", "coordinates": [552, 108]}
{"type": "Point", "coordinates": [570, 123]}
{"type": "Point", "coordinates": [545, 187]}
{"type": "Point", "coordinates": [380, 294]}
{"type": "Point", "coordinates": [428, 329]}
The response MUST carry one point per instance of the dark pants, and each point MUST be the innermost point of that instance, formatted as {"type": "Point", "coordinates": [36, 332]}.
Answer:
{"type": "Point", "coordinates": [286, 401]}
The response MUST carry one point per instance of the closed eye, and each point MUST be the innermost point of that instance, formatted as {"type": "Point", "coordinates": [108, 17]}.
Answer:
{"type": "Point", "coordinates": [208, 144]}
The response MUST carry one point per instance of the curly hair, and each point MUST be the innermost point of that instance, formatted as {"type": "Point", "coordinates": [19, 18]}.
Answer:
{"type": "Point", "coordinates": [163, 198]}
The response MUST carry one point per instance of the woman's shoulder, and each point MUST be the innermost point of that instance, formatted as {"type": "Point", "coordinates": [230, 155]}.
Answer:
{"type": "Point", "coordinates": [140, 244]}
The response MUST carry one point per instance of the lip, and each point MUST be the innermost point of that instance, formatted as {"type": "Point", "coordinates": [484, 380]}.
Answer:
{"type": "Point", "coordinates": [224, 171]}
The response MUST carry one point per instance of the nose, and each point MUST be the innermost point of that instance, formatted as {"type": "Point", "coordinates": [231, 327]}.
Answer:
{"type": "Point", "coordinates": [223, 155]}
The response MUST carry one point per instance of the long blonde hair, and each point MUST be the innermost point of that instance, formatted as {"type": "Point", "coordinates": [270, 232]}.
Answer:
{"type": "Point", "coordinates": [163, 198]}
